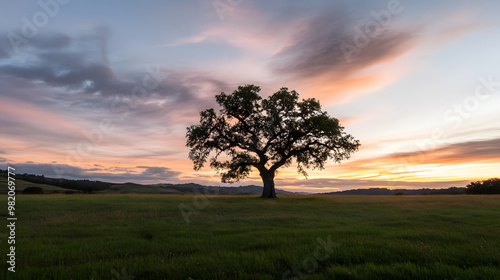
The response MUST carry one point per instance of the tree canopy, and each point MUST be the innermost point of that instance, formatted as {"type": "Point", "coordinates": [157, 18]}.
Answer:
{"type": "Point", "coordinates": [490, 186]}
{"type": "Point", "coordinates": [266, 134]}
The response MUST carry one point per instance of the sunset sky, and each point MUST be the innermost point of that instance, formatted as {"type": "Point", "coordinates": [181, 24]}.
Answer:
{"type": "Point", "coordinates": [105, 89]}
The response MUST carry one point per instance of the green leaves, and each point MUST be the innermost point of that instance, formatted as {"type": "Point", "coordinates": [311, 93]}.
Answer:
{"type": "Point", "coordinates": [242, 103]}
{"type": "Point", "coordinates": [266, 134]}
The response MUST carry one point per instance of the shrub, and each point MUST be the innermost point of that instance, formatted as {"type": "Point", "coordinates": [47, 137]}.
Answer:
{"type": "Point", "coordinates": [33, 190]}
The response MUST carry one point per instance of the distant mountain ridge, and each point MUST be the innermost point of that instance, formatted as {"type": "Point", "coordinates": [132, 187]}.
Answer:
{"type": "Point", "coordinates": [60, 185]}
{"type": "Point", "coordinates": [385, 191]}
{"type": "Point", "coordinates": [242, 190]}
{"type": "Point", "coordinates": [89, 186]}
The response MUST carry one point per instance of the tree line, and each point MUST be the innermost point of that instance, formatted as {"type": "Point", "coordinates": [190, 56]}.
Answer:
{"type": "Point", "coordinates": [86, 186]}
{"type": "Point", "coordinates": [490, 186]}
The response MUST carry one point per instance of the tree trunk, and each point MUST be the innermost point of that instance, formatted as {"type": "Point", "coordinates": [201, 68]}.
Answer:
{"type": "Point", "coordinates": [268, 179]}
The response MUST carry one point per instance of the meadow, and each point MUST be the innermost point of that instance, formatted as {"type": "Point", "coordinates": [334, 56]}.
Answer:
{"type": "Point", "coordinates": [140, 236]}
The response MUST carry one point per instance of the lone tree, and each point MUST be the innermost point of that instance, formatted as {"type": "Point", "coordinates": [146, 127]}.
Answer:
{"type": "Point", "coordinates": [267, 134]}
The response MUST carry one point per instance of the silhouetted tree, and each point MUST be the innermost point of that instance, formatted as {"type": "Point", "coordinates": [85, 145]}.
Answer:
{"type": "Point", "coordinates": [267, 134]}
{"type": "Point", "coordinates": [33, 190]}
{"type": "Point", "coordinates": [490, 186]}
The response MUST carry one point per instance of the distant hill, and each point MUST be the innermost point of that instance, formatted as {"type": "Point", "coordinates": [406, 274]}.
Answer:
{"type": "Point", "coordinates": [243, 190]}
{"type": "Point", "coordinates": [21, 185]}
{"type": "Point", "coordinates": [138, 188]}
{"type": "Point", "coordinates": [60, 185]}
{"type": "Point", "coordinates": [385, 191]}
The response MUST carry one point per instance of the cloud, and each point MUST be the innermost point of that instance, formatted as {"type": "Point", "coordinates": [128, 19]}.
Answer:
{"type": "Point", "coordinates": [3, 159]}
{"type": "Point", "coordinates": [328, 184]}
{"type": "Point", "coordinates": [158, 172]}
{"type": "Point", "coordinates": [23, 118]}
{"type": "Point", "coordinates": [318, 48]}
{"type": "Point", "coordinates": [151, 174]}
{"type": "Point", "coordinates": [464, 152]}
{"type": "Point", "coordinates": [79, 66]}
{"type": "Point", "coordinates": [75, 71]}
{"type": "Point", "coordinates": [51, 41]}
{"type": "Point", "coordinates": [4, 49]}
{"type": "Point", "coordinates": [335, 57]}
{"type": "Point", "coordinates": [66, 87]}
{"type": "Point", "coordinates": [465, 19]}
{"type": "Point", "coordinates": [471, 159]}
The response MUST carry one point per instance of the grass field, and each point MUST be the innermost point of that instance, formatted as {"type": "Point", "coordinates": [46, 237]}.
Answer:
{"type": "Point", "coordinates": [228, 237]}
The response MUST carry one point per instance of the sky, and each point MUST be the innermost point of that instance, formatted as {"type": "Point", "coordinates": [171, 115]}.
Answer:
{"type": "Point", "coordinates": [105, 90]}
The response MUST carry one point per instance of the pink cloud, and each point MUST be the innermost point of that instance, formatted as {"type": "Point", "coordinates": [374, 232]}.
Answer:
{"type": "Point", "coordinates": [26, 112]}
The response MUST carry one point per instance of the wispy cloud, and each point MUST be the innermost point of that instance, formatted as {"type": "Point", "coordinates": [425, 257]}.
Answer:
{"type": "Point", "coordinates": [465, 153]}
{"type": "Point", "coordinates": [149, 174]}
{"type": "Point", "coordinates": [66, 89]}
{"type": "Point", "coordinates": [78, 66]}
{"type": "Point", "coordinates": [327, 185]}
{"type": "Point", "coordinates": [317, 48]}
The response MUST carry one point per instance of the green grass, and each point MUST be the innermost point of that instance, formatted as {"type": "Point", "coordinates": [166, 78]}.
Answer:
{"type": "Point", "coordinates": [242, 237]}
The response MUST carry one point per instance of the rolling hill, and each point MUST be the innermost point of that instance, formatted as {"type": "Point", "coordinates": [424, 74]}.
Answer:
{"type": "Point", "coordinates": [60, 185]}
